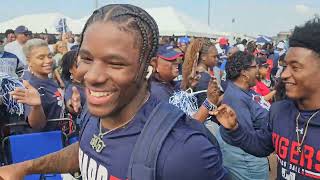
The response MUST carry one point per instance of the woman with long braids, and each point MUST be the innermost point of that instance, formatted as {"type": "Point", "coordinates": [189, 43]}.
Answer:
{"type": "Point", "coordinates": [118, 44]}
{"type": "Point", "coordinates": [204, 56]}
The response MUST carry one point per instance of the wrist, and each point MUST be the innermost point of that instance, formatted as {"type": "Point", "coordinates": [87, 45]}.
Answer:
{"type": "Point", "coordinates": [37, 106]}
{"type": "Point", "coordinates": [25, 167]}
{"type": "Point", "coordinates": [208, 105]}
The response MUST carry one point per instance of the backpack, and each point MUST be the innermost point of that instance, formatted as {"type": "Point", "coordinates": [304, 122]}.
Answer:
{"type": "Point", "coordinates": [146, 151]}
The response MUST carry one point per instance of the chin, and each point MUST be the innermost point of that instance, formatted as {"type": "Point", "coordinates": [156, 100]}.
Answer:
{"type": "Point", "coordinates": [292, 95]}
{"type": "Point", "coordinates": [175, 74]}
{"type": "Point", "coordinates": [100, 111]}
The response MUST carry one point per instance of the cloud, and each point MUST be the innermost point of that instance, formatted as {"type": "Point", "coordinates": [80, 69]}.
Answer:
{"type": "Point", "coordinates": [303, 9]}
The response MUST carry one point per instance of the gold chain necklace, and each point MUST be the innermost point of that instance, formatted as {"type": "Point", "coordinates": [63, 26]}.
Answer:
{"type": "Point", "coordinates": [97, 143]}
{"type": "Point", "coordinates": [302, 131]}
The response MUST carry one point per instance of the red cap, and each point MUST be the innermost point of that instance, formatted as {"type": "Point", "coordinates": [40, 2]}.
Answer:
{"type": "Point", "coordinates": [223, 41]}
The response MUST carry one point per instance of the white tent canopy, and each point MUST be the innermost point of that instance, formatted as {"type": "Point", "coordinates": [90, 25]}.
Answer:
{"type": "Point", "coordinates": [168, 19]}
{"type": "Point", "coordinates": [38, 23]}
{"type": "Point", "coordinates": [172, 22]}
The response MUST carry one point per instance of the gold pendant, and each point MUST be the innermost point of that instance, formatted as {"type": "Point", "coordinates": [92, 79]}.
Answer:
{"type": "Point", "coordinates": [97, 143]}
{"type": "Point", "coordinates": [299, 149]}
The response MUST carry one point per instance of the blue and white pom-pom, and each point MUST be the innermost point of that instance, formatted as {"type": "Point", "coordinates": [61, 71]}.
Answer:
{"type": "Point", "coordinates": [186, 101]}
{"type": "Point", "coordinates": [8, 84]}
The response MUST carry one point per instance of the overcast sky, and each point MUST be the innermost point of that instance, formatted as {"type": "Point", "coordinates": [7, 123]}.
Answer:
{"type": "Point", "coordinates": [252, 17]}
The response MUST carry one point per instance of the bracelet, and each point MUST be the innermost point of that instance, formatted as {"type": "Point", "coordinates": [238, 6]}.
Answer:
{"type": "Point", "coordinates": [210, 106]}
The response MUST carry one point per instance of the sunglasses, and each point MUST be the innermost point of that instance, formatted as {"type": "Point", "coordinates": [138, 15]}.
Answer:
{"type": "Point", "coordinates": [253, 66]}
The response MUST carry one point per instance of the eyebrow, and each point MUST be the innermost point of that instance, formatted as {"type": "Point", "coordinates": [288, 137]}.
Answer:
{"type": "Point", "coordinates": [114, 57]}
{"type": "Point", "coordinates": [84, 52]}
{"type": "Point", "coordinates": [293, 62]}
{"type": "Point", "coordinates": [43, 55]}
{"type": "Point", "coordinates": [110, 57]}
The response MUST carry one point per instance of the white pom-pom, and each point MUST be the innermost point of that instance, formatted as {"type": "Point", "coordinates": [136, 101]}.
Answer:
{"type": "Point", "coordinates": [8, 84]}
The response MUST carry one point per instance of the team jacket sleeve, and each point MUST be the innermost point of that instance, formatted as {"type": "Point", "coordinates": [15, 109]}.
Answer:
{"type": "Point", "coordinates": [256, 142]}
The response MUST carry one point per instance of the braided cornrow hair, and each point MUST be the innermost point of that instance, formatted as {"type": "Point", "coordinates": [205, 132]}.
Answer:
{"type": "Point", "coordinates": [131, 19]}
{"type": "Point", "coordinates": [194, 55]}
{"type": "Point", "coordinates": [190, 62]}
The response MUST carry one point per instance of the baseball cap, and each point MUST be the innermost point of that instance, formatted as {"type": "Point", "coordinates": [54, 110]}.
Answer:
{"type": "Point", "coordinates": [223, 41]}
{"type": "Point", "coordinates": [22, 30]}
{"type": "Point", "coordinates": [168, 53]}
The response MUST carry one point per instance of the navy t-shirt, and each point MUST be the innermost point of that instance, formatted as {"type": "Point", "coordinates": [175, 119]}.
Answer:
{"type": "Point", "coordinates": [51, 99]}
{"type": "Point", "coordinates": [186, 154]}
{"type": "Point", "coordinates": [202, 85]}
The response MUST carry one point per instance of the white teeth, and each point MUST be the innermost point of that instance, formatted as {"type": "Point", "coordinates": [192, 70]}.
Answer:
{"type": "Point", "coordinates": [99, 94]}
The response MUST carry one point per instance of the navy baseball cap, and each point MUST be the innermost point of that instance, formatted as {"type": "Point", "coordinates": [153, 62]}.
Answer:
{"type": "Point", "coordinates": [168, 53]}
{"type": "Point", "coordinates": [22, 30]}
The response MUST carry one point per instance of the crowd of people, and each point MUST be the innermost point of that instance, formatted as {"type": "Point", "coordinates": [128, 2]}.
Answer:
{"type": "Point", "coordinates": [234, 104]}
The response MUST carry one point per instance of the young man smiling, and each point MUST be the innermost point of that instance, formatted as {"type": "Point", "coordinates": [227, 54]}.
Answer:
{"type": "Point", "coordinates": [294, 124]}
{"type": "Point", "coordinates": [118, 44]}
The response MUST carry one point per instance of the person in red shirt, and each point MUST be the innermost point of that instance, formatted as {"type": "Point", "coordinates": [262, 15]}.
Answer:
{"type": "Point", "coordinates": [263, 84]}
{"type": "Point", "coordinates": [264, 54]}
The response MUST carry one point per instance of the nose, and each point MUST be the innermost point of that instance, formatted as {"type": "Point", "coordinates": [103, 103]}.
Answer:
{"type": "Point", "coordinates": [285, 73]}
{"type": "Point", "coordinates": [96, 74]}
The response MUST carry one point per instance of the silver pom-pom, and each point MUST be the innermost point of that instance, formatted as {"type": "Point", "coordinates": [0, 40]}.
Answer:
{"type": "Point", "coordinates": [186, 101]}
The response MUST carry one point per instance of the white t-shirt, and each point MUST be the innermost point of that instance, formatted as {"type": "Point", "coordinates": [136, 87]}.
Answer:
{"type": "Point", "coordinates": [16, 48]}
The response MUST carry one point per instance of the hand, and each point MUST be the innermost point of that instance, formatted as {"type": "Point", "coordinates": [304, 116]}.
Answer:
{"type": "Point", "coordinates": [75, 100]}
{"type": "Point", "coordinates": [62, 85]}
{"type": "Point", "coordinates": [194, 80]}
{"type": "Point", "coordinates": [213, 92]}
{"type": "Point", "coordinates": [226, 116]}
{"type": "Point", "coordinates": [29, 95]}
{"type": "Point", "coordinates": [11, 172]}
